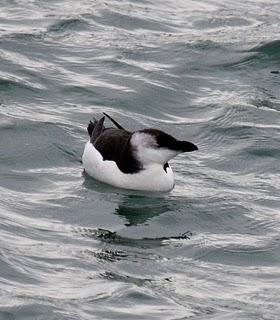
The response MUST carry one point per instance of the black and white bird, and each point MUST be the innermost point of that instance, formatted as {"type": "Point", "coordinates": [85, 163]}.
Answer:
{"type": "Point", "coordinates": [132, 160]}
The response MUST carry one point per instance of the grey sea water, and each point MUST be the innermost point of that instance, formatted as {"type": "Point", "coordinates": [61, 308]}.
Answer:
{"type": "Point", "coordinates": [207, 71]}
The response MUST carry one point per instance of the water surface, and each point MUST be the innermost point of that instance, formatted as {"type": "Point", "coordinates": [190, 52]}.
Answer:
{"type": "Point", "coordinates": [205, 71]}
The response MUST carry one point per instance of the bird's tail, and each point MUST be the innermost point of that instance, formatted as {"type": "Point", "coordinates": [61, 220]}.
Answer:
{"type": "Point", "coordinates": [95, 128]}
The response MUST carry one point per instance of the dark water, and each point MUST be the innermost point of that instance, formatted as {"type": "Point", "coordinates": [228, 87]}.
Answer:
{"type": "Point", "coordinates": [206, 71]}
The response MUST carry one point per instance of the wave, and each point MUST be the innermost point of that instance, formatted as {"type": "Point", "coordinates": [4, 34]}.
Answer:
{"type": "Point", "coordinates": [271, 48]}
{"type": "Point", "coordinates": [113, 238]}
{"type": "Point", "coordinates": [16, 83]}
{"type": "Point", "coordinates": [131, 22]}
{"type": "Point", "coordinates": [71, 24]}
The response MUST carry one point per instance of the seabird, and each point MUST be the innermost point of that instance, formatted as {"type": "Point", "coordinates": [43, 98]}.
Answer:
{"type": "Point", "coordinates": [132, 160]}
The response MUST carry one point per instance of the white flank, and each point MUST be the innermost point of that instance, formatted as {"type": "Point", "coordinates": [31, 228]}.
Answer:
{"type": "Point", "coordinates": [151, 178]}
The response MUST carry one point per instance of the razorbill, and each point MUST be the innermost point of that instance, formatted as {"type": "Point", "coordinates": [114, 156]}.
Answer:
{"type": "Point", "coordinates": [132, 160]}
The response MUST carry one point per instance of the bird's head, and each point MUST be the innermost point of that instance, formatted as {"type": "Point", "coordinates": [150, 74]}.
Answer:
{"type": "Point", "coordinates": [152, 146]}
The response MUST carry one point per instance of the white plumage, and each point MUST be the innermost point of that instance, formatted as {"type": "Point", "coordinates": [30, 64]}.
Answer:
{"type": "Point", "coordinates": [152, 178]}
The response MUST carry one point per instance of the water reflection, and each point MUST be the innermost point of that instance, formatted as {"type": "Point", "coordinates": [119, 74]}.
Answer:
{"type": "Point", "coordinates": [139, 209]}
{"type": "Point", "coordinates": [136, 209]}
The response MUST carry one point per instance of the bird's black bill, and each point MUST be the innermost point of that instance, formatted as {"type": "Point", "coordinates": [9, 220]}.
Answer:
{"type": "Point", "coordinates": [186, 146]}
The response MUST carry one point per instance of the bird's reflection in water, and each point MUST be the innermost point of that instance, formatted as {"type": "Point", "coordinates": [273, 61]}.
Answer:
{"type": "Point", "coordinates": [138, 209]}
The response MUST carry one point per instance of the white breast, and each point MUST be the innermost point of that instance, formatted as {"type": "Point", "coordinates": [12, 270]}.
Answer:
{"type": "Point", "coordinates": [151, 178]}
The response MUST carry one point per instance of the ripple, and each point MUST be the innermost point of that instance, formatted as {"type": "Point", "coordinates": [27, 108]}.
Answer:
{"type": "Point", "coordinates": [30, 310]}
{"type": "Point", "coordinates": [9, 82]}
{"type": "Point", "coordinates": [113, 237]}
{"type": "Point", "coordinates": [214, 23]}
{"type": "Point", "coordinates": [74, 24]}
{"type": "Point", "coordinates": [271, 48]}
{"type": "Point", "coordinates": [131, 22]}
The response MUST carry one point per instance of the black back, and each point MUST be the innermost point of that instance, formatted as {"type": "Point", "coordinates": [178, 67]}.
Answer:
{"type": "Point", "coordinates": [114, 144]}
